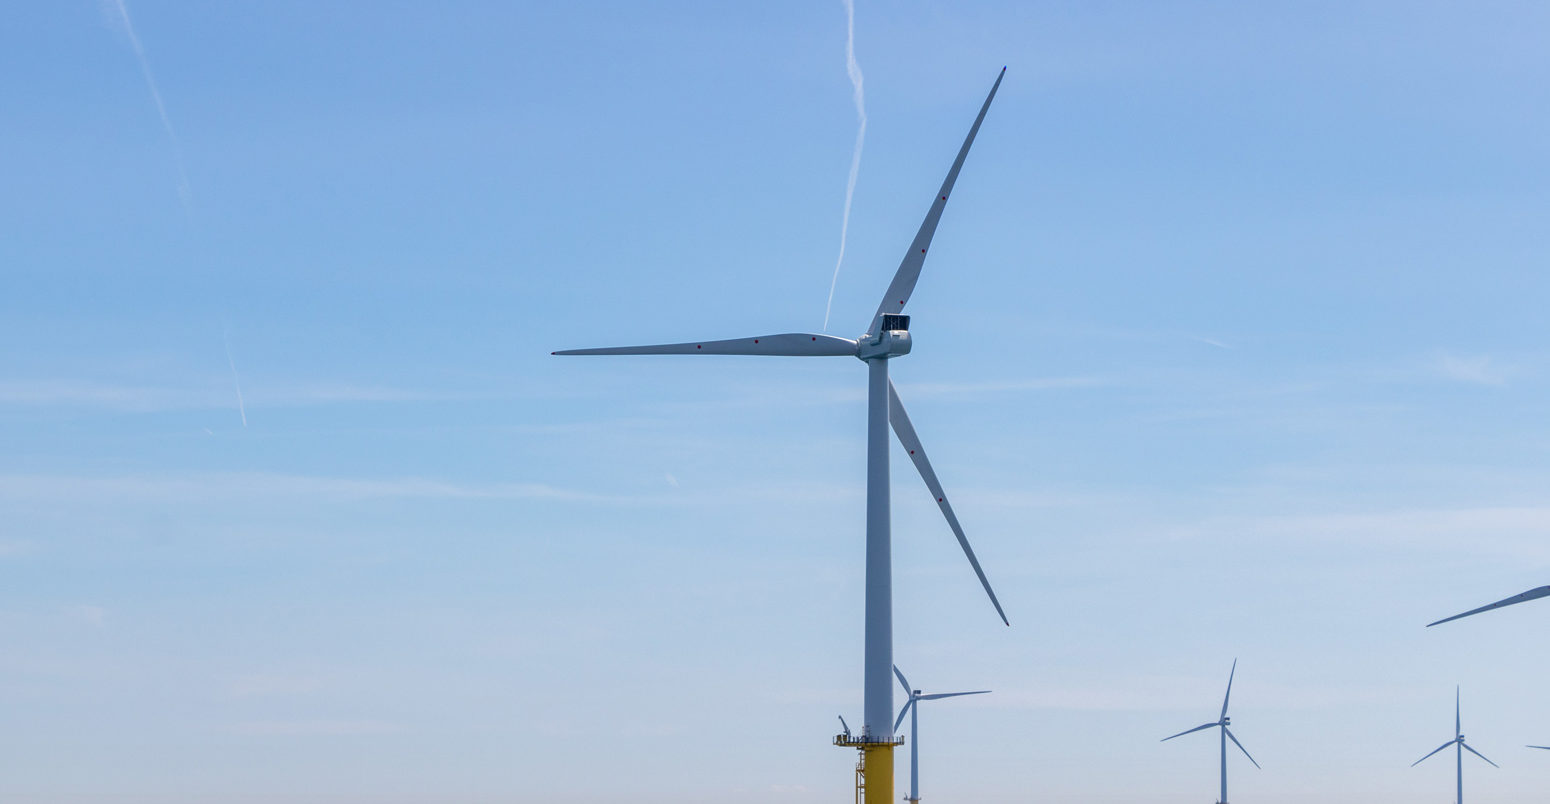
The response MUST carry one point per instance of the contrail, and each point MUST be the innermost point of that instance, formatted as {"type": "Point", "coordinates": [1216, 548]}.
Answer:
{"type": "Point", "coordinates": [235, 380]}
{"type": "Point", "coordinates": [184, 191]}
{"type": "Point", "coordinates": [854, 71]}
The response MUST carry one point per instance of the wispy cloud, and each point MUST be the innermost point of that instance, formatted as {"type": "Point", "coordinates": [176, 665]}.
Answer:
{"type": "Point", "coordinates": [1474, 369]}
{"type": "Point", "coordinates": [321, 728]}
{"type": "Point", "coordinates": [854, 71]}
{"type": "Point", "coordinates": [222, 487]}
{"type": "Point", "coordinates": [119, 13]}
{"type": "Point", "coordinates": [153, 398]}
{"type": "Point", "coordinates": [242, 407]}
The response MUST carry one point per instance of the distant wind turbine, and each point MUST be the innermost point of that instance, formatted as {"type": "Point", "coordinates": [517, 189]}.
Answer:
{"type": "Point", "coordinates": [1222, 722]}
{"type": "Point", "coordinates": [1460, 748]}
{"type": "Point", "coordinates": [1541, 747]}
{"type": "Point", "coordinates": [1532, 594]}
{"type": "Point", "coordinates": [912, 708]}
{"type": "Point", "coordinates": [887, 336]}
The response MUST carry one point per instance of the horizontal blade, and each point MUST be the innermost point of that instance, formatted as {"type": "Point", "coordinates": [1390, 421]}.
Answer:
{"type": "Point", "coordinates": [906, 433]}
{"type": "Point", "coordinates": [1532, 594]}
{"type": "Point", "coordinates": [909, 269]}
{"type": "Point", "coordinates": [937, 695]}
{"type": "Point", "coordinates": [1478, 754]}
{"type": "Point", "coordinates": [790, 344]}
{"type": "Point", "coordinates": [1429, 756]}
{"type": "Point", "coordinates": [1541, 747]}
{"type": "Point", "coordinates": [1192, 731]}
{"type": "Point", "coordinates": [903, 712]}
{"type": "Point", "coordinates": [1240, 746]}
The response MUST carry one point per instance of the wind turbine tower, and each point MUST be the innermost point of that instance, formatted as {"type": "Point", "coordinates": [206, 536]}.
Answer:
{"type": "Point", "coordinates": [886, 337]}
{"type": "Point", "coordinates": [1222, 723]}
{"type": "Point", "coordinates": [1459, 747]}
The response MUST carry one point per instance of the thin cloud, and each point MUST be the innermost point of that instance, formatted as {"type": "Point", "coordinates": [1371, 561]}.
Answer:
{"type": "Point", "coordinates": [853, 70]}
{"type": "Point", "coordinates": [1475, 370]}
{"type": "Point", "coordinates": [322, 728]}
{"type": "Point", "coordinates": [119, 13]}
{"type": "Point", "coordinates": [242, 407]}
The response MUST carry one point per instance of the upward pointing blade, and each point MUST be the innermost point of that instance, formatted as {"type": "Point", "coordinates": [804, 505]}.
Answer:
{"type": "Point", "coordinates": [1229, 688]}
{"type": "Point", "coordinates": [1532, 594]}
{"type": "Point", "coordinates": [789, 344]}
{"type": "Point", "coordinates": [908, 690]}
{"type": "Point", "coordinates": [911, 442]}
{"type": "Point", "coordinates": [909, 270]}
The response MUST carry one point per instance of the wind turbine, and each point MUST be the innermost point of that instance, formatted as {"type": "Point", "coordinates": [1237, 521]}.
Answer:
{"type": "Point", "coordinates": [911, 707]}
{"type": "Point", "coordinates": [1460, 747]}
{"type": "Point", "coordinates": [1532, 594]}
{"type": "Point", "coordinates": [1222, 722]}
{"type": "Point", "coordinates": [886, 337]}
{"type": "Point", "coordinates": [1541, 747]}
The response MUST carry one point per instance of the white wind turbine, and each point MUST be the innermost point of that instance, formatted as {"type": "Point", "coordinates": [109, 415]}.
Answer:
{"type": "Point", "coordinates": [1532, 594]}
{"type": "Point", "coordinates": [1460, 747]}
{"type": "Point", "coordinates": [912, 708]}
{"type": "Point", "coordinates": [1222, 722]}
{"type": "Point", "coordinates": [886, 337]}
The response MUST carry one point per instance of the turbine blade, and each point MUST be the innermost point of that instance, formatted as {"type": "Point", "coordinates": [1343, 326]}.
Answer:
{"type": "Point", "coordinates": [908, 690]}
{"type": "Point", "coordinates": [789, 344]}
{"type": "Point", "coordinates": [1541, 747]}
{"type": "Point", "coordinates": [1458, 721]}
{"type": "Point", "coordinates": [1240, 746]}
{"type": "Point", "coordinates": [937, 695]}
{"type": "Point", "coordinates": [906, 433]}
{"type": "Point", "coordinates": [909, 270]}
{"type": "Point", "coordinates": [1478, 754]}
{"type": "Point", "coordinates": [1429, 756]}
{"type": "Point", "coordinates": [903, 712]}
{"type": "Point", "coordinates": [1532, 594]}
{"type": "Point", "coordinates": [1191, 731]}
{"type": "Point", "coordinates": [1229, 687]}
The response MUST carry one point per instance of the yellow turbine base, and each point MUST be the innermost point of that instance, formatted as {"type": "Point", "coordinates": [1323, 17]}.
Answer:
{"type": "Point", "coordinates": [877, 774]}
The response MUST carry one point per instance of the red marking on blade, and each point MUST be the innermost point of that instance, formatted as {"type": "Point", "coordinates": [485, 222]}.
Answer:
{"type": "Point", "coordinates": [901, 301]}
{"type": "Point", "coordinates": [755, 340]}
{"type": "Point", "coordinates": [697, 346]}
{"type": "Point", "coordinates": [815, 339]}
{"type": "Point", "coordinates": [922, 251]}
{"type": "Point", "coordinates": [944, 198]}
{"type": "Point", "coordinates": [939, 499]}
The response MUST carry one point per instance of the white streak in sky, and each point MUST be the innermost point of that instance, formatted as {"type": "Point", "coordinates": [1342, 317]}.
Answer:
{"type": "Point", "coordinates": [242, 408]}
{"type": "Point", "coordinates": [854, 70]}
{"type": "Point", "coordinates": [118, 8]}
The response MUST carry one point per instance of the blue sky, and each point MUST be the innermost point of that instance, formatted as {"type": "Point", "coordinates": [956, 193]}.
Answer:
{"type": "Point", "coordinates": [1230, 344]}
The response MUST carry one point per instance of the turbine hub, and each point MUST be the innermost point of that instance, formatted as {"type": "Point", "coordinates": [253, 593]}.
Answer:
{"type": "Point", "coordinates": [892, 339]}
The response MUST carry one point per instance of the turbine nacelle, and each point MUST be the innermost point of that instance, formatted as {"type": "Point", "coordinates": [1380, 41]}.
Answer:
{"type": "Point", "coordinates": [892, 339]}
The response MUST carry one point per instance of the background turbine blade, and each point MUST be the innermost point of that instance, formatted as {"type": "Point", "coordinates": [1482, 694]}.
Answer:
{"type": "Point", "coordinates": [789, 344]}
{"type": "Point", "coordinates": [1240, 746]}
{"type": "Point", "coordinates": [908, 690]}
{"type": "Point", "coordinates": [909, 270]}
{"type": "Point", "coordinates": [1532, 594]}
{"type": "Point", "coordinates": [1230, 674]}
{"type": "Point", "coordinates": [934, 696]}
{"type": "Point", "coordinates": [902, 712]}
{"type": "Point", "coordinates": [1478, 754]}
{"type": "Point", "coordinates": [1191, 731]}
{"type": "Point", "coordinates": [906, 433]}
{"type": "Point", "coordinates": [1541, 747]}
{"type": "Point", "coordinates": [1429, 756]}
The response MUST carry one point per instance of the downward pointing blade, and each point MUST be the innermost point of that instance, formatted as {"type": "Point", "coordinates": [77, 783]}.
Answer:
{"type": "Point", "coordinates": [789, 344]}
{"type": "Point", "coordinates": [909, 269]}
{"type": "Point", "coordinates": [936, 695]}
{"type": "Point", "coordinates": [1192, 731]}
{"type": "Point", "coordinates": [1532, 594]}
{"type": "Point", "coordinates": [1429, 756]}
{"type": "Point", "coordinates": [1478, 754]}
{"type": "Point", "coordinates": [903, 712]}
{"type": "Point", "coordinates": [911, 442]}
{"type": "Point", "coordinates": [1240, 746]}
